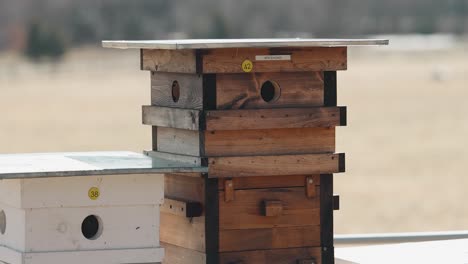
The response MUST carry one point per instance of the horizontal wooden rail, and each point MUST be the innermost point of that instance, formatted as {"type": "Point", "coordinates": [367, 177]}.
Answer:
{"type": "Point", "coordinates": [244, 118]}
{"type": "Point", "coordinates": [222, 167]}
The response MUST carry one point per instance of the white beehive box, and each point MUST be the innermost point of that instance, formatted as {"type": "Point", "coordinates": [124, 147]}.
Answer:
{"type": "Point", "coordinates": [99, 207]}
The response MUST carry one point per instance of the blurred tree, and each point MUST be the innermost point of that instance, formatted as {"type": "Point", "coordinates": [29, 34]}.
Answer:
{"type": "Point", "coordinates": [44, 43]}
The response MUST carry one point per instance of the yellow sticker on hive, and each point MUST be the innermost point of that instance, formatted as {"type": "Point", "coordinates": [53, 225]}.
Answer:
{"type": "Point", "coordinates": [247, 66]}
{"type": "Point", "coordinates": [93, 193]}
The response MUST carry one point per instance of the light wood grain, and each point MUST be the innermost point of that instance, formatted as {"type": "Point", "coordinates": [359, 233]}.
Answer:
{"type": "Point", "coordinates": [267, 142]}
{"type": "Point", "coordinates": [302, 59]}
{"type": "Point", "coordinates": [275, 165]}
{"type": "Point", "coordinates": [180, 255]}
{"type": "Point", "coordinates": [246, 211]}
{"type": "Point", "coordinates": [171, 117]}
{"type": "Point", "coordinates": [275, 118]}
{"type": "Point", "coordinates": [183, 61]}
{"type": "Point", "coordinates": [191, 90]}
{"type": "Point", "coordinates": [277, 256]}
{"type": "Point", "coordinates": [179, 141]}
{"type": "Point", "coordinates": [243, 91]}
{"type": "Point", "coordinates": [183, 232]}
{"type": "Point", "coordinates": [269, 238]}
{"type": "Point", "coordinates": [184, 187]}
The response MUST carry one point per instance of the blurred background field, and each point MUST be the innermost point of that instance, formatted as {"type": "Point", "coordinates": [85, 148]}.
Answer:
{"type": "Point", "coordinates": [405, 141]}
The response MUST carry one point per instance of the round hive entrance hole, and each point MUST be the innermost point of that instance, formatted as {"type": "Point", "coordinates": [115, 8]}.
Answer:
{"type": "Point", "coordinates": [175, 91]}
{"type": "Point", "coordinates": [2, 222]}
{"type": "Point", "coordinates": [91, 228]}
{"type": "Point", "coordinates": [270, 91]}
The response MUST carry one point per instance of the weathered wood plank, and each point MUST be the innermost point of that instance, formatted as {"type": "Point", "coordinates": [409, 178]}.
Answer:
{"type": "Point", "coordinates": [173, 160]}
{"type": "Point", "coordinates": [179, 141]}
{"type": "Point", "coordinates": [221, 167]}
{"type": "Point", "coordinates": [266, 142]}
{"type": "Point", "coordinates": [275, 118]}
{"type": "Point", "coordinates": [183, 232]}
{"type": "Point", "coordinates": [183, 61]}
{"type": "Point", "coordinates": [269, 238]}
{"type": "Point", "coordinates": [243, 91]}
{"type": "Point", "coordinates": [177, 90]}
{"type": "Point", "coordinates": [246, 142]}
{"type": "Point", "coordinates": [185, 187]}
{"type": "Point", "coordinates": [301, 59]}
{"type": "Point", "coordinates": [246, 210]}
{"type": "Point", "coordinates": [171, 117]}
{"type": "Point", "coordinates": [276, 256]}
{"type": "Point", "coordinates": [180, 255]}
{"type": "Point", "coordinates": [262, 182]}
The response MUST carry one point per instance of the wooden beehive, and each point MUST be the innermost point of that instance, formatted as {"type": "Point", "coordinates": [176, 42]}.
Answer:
{"type": "Point", "coordinates": [261, 116]}
{"type": "Point", "coordinates": [97, 208]}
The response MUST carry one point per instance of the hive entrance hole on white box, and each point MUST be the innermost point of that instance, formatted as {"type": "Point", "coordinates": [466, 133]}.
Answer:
{"type": "Point", "coordinates": [74, 208]}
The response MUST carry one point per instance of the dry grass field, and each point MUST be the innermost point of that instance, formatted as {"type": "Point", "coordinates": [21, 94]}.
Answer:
{"type": "Point", "coordinates": [406, 139]}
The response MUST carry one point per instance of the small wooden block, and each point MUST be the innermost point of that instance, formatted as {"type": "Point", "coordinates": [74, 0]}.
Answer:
{"type": "Point", "coordinates": [273, 208]}
{"type": "Point", "coordinates": [310, 187]}
{"type": "Point", "coordinates": [228, 191]}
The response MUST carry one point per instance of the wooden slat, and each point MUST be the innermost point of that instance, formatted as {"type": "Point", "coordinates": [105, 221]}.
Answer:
{"type": "Point", "coordinates": [246, 210]}
{"type": "Point", "coordinates": [277, 256]}
{"type": "Point", "coordinates": [262, 182]}
{"type": "Point", "coordinates": [275, 165]}
{"type": "Point", "coordinates": [183, 61]}
{"type": "Point", "coordinates": [243, 91]}
{"type": "Point", "coordinates": [269, 238]}
{"type": "Point", "coordinates": [182, 208]}
{"type": "Point", "coordinates": [171, 117]}
{"type": "Point", "coordinates": [266, 141]}
{"type": "Point", "coordinates": [275, 118]}
{"type": "Point", "coordinates": [185, 187]}
{"type": "Point", "coordinates": [182, 231]}
{"type": "Point", "coordinates": [173, 159]}
{"type": "Point", "coordinates": [246, 142]}
{"type": "Point", "coordinates": [179, 255]}
{"type": "Point", "coordinates": [302, 59]}
{"type": "Point", "coordinates": [244, 119]}
{"type": "Point", "coordinates": [179, 141]}
{"type": "Point", "coordinates": [190, 88]}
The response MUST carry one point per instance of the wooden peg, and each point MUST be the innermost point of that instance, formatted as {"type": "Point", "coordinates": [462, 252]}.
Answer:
{"type": "Point", "coordinates": [310, 187]}
{"type": "Point", "coordinates": [228, 191]}
{"type": "Point", "coordinates": [272, 208]}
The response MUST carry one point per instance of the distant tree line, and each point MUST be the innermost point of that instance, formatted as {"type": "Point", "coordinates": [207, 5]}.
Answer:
{"type": "Point", "coordinates": [90, 21]}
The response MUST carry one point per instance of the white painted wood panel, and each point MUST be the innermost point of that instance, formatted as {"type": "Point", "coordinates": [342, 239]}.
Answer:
{"type": "Point", "coordinates": [59, 229]}
{"type": "Point", "coordinates": [15, 232]}
{"type": "Point", "coordinates": [119, 190]}
{"type": "Point", "coordinates": [130, 256]}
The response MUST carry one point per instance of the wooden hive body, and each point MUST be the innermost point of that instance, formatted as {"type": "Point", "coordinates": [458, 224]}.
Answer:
{"type": "Point", "coordinates": [268, 193]}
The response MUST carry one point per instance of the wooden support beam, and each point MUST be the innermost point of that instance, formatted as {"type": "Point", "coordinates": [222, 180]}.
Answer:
{"type": "Point", "coordinates": [275, 118]}
{"type": "Point", "coordinates": [222, 167]}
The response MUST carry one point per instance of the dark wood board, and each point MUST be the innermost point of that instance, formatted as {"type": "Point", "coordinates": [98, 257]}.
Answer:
{"type": "Point", "coordinates": [269, 238]}
{"type": "Point", "coordinates": [243, 91]}
{"type": "Point", "coordinates": [276, 256]}
{"type": "Point", "coordinates": [246, 210]}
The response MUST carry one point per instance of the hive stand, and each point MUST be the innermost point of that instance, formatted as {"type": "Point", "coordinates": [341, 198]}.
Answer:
{"type": "Point", "coordinates": [261, 115]}
{"type": "Point", "coordinates": [74, 208]}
